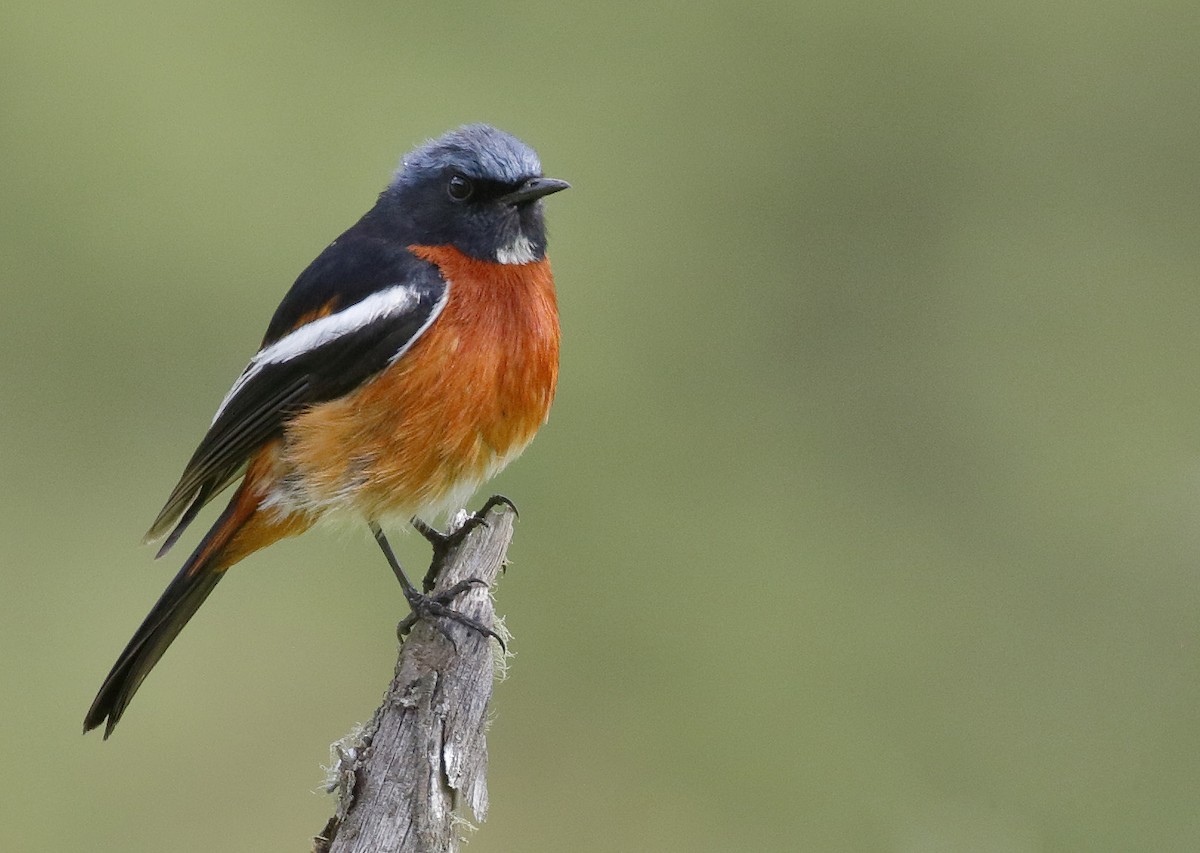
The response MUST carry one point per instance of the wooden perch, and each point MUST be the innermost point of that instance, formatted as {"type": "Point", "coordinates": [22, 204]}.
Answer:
{"type": "Point", "coordinates": [424, 754]}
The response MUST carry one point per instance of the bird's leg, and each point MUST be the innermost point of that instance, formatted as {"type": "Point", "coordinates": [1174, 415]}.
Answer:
{"type": "Point", "coordinates": [431, 605]}
{"type": "Point", "coordinates": [443, 542]}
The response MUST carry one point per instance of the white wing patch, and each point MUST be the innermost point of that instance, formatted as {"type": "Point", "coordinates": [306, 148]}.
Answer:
{"type": "Point", "coordinates": [387, 303]}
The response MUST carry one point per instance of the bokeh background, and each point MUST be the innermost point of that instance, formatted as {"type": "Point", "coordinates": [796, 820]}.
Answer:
{"type": "Point", "coordinates": [868, 517]}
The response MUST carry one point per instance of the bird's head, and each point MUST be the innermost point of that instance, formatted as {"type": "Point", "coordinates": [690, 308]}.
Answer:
{"type": "Point", "coordinates": [478, 189]}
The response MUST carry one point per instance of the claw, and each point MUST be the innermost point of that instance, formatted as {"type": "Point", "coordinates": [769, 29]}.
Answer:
{"type": "Point", "coordinates": [443, 543]}
{"type": "Point", "coordinates": [495, 501]}
{"type": "Point", "coordinates": [432, 605]}
{"type": "Point", "coordinates": [437, 606]}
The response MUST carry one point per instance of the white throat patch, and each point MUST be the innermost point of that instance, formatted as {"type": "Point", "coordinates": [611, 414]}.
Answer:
{"type": "Point", "coordinates": [519, 251]}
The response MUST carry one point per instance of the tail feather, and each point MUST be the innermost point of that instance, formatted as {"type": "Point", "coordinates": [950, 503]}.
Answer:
{"type": "Point", "coordinates": [176, 606]}
{"type": "Point", "coordinates": [178, 603]}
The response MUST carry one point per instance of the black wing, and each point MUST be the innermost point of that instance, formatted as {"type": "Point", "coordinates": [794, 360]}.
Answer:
{"type": "Point", "coordinates": [352, 268]}
{"type": "Point", "coordinates": [347, 332]}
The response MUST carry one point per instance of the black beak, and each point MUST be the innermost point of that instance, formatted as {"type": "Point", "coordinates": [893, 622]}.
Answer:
{"type": "Point", "coordinates": [533, 189]}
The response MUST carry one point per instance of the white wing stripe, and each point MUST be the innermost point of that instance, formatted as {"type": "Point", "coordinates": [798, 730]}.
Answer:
{"type": "Point", "coordinates": [377, 306]}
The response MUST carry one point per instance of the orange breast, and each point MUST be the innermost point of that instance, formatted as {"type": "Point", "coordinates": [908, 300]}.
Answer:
{"type": "Point", "coordinates": [459, 405]}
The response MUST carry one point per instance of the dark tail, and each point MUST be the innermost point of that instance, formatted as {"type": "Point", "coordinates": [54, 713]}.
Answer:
{"type": "Point", "coordinates": [181, 599]}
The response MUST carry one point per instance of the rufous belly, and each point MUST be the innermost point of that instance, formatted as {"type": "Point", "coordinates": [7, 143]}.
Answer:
{"type": "Point", "coordinates": [457, 407]}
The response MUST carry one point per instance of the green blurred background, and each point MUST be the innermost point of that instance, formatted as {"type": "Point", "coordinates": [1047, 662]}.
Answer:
{"type": "Point", "coordinates": [867, 517]}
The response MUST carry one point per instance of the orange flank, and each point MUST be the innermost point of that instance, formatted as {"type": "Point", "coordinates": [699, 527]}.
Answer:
{"type": "Point", "coordinates": [450, 413]}
{"type": "Point", "coordinates": [244, 529]}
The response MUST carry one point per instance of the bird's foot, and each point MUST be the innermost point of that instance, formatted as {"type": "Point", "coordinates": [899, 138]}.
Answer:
{"type": "Point", "coordinates": [444, 543]}
{"type": "Point", "coordinates": [436, 607]}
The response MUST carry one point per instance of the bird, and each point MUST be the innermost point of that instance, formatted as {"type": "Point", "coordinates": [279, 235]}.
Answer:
{"type": "Point", "coordinates": [409, 363]}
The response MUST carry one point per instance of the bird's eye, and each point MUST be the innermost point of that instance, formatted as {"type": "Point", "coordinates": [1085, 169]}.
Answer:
{"type": "Point", "coordinates": [460, 188]}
